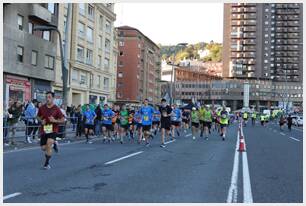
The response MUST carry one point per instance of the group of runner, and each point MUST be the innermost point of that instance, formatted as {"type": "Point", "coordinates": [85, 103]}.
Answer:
{"type": "Point", "coordinates": [128, 123]}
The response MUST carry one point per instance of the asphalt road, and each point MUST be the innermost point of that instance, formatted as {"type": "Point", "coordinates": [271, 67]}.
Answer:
{"type": "Point", "coordinates": [195, 171]}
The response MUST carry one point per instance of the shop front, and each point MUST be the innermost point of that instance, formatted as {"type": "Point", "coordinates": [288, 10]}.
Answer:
{"type": "Point", "coordinates": [17, 89]}
{"type": "Point", "coordinates": [40, 88]}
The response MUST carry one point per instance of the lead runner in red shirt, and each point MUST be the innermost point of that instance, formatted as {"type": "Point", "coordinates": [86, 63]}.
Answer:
{"type": "Point", "coordinates": [50, 116]}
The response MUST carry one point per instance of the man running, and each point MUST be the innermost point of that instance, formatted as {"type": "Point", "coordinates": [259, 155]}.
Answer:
{"type": "Point", "coordinates": [207, 121]}
{"type": "Point", "coordinates": [245, 118]}
{"type": "Point", "coordinates": [89, 119]}
{"type": "Point", "coordinates": [124, 122]}
{"type": "Point", "coordinates": [262, 119]}
{"type": "Point", "coordinates": [131, 123]}
{"type": "Point", "coordinates": [253, 118]}
{"type": "Point", "coordinates": [186, 119]}
{"type": "Point", "coordinates": [107, 125]}
{"type": "Point", "coordinates": [137, 120]}
{"type": "Point", "coordinates": [165, 121]}
{"type": "Point", "coordinates": [146, 112]}
{"type": "Point", "coordinates": [223, 122]}
{"type": "Point", "coordinates": [201, 118]}
{"type": "Point", "coordinates": [195, 122]}
{"type": "Point", "coordinates": [156, 119]}
{"type": "Point", "coordinates": [175, 120]}
{"type": "Point", "coordinates": [50, 116]}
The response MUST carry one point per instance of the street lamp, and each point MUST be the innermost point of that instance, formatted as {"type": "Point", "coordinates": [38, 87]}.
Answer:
{"type": "Point", "coordinates": [64, 69]}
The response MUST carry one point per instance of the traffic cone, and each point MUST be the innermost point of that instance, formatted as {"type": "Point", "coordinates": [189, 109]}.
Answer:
{"type": "Point", "coordinates": [241, 145]}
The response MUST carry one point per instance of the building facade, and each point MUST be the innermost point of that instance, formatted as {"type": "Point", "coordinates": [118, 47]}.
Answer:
{"type": "Point", "coordinates": [263, 41]}
{"type": "Point", "coordinates": [139, 65]}
{"type": "Point", "coordinates": [263, 93]}
{"type": "Point", "coordinates": [29, 56]}
{"type": "Point", "coordinates": [92, 54]}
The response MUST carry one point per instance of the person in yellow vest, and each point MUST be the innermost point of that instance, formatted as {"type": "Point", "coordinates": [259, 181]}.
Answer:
{"type": "Point", "coordinates": [207, 121]}
{"type": "Point", "coordinates": [253, 118]}
{"type": "Point", "coordinates": [223, 122]}
{"type": "Point", "coordinates": [201, 118]}
{"type": "Point", "coordinates": [218, 114]}
{"type": "Point", "coordinates": [262, 119]}
{"type": "Point", "coordinates": [195, 121]}
{"type": "Point", "coordinates": [245, 118]}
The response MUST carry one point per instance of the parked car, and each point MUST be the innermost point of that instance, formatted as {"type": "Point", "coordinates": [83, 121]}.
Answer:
{"type": "Point", "coordinates": [297, 120]}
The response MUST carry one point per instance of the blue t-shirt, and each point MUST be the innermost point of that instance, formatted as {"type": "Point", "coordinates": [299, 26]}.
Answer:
{"type": "Point", "coordinates": [176, 116]}
{"type": "Point", "coordinates": [156, 116]}
{"type": "Point", "coordinates": [146, 115]}
{"type": "Point", "coordinates": [107, 116]}
{"type": "Point", "coordinates": [89, 117]}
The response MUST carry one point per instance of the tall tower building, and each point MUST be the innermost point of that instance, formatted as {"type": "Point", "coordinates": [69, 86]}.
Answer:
{"type": "Point", "coordinates": [263, 41]}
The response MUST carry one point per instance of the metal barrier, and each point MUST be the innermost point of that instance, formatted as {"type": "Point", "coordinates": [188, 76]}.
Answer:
{"type": "Point", "coordinates": [23, 130]}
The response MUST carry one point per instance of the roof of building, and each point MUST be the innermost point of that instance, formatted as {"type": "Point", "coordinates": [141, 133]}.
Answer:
{"type": "Point", "coordinates": [132, 28]}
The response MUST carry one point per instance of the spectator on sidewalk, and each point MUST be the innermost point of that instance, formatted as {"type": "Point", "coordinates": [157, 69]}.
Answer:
{"type": "Point", "coordinates": [30, 119]}
{"type": "Point", "coordinates": [72, 116]}
{"type": "Point", "coordinates": [14, 114]}
{"type": "Point", "coordinates": [5, 130]}
{"type": "Point", "coordinates": [79, 119]}
{"type": "Point", "coordinates": [61, 132]}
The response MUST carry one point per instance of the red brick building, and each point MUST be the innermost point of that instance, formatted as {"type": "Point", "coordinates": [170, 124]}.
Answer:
{"type": "Point", "coordinates": [139, 67]}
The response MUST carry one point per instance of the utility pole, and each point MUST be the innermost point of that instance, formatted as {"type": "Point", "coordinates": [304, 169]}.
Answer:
{"type": "Point", "coordinates": [65, 64]}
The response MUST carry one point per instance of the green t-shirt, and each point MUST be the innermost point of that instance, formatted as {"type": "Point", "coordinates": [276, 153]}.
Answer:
{"type": "Point", "coordinates": [207, 116]}
{"type": "Point", "coordinates": [195, 116]}
{"type": "Point", "coordinates": [124, 117]}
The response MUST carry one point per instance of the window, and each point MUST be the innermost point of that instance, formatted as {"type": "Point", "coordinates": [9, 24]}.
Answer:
{"type": "Point", "coordinates": [83, 79]}
{"type": "Point", "coordinates": [107, 45]}
{"type": "Point", "coordinates": [121, 53]}
{"type": "Point", "coordinates": [82, 9]}
{"type": "Point", "coordinates": [46, 35]}
{"type": "Point", "coordinates": [108, 26]}
{"type": "Point", "coordinates": [100, 22]}
{"type": "Point", "coordinates": [51, 8]}
{"type": "Point", "coordinates": [20, 22]}
{"type": "Point", "coordinates": [89, 34]}
{"type": "Point", "coordinates": [99, 61]}
{"type": "Point", "coordinates": [34, 58]}
{"type": "Point", "coordinates": [89, 56]}
{"type": "Point", "coordinates": [100, 42]}
{"type": "Point", "coordinates": [106, 83]}
{"type": "Point", "coordinates": [74, 75]}
{"type": "Point", "coordinates": [49, 62]}
{"type": "Point", "coordinates": [80, 54]}
{"type": "Point", "coordinates": [99, 81]}
{"type": "Point", "coordinates": [106, 63]}
{"type": "Point", "coordinates": [30, 28]}
{"type": "Point", "coordinates": [91, 13]}
{"type": "Point", "coordinates": [120, 74]}
{"type": "Point", "coordinates": [120, 64]}
{"type": "Point", "coordinates": [81, 29]}
{"type": "Point", "coordinates": [121, 43]}
{"type": "Point", "coordinates": [19, 53]}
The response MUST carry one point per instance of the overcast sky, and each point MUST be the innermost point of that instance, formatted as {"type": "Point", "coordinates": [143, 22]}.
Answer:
{"type": "Point", "coordinates": [173, 23]}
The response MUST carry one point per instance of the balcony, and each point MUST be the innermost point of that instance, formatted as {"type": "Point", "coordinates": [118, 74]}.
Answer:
{"type": "Point", "coordinates": [40, 13]}
{"type": "Point", "coordinates": [249, 48]}
{"type": "Point", "coordinates": [237, 10]}
{"type": "Point", "coordinates": [249, 42]}
{"type": "Point", "coordinates": [249, 35]}
{"type": "Point", "coordinates": [249, 29]}
{"type": "Point", "coordinates": [249, 55]}
{"type": "Point", "coordinates": [250, 10]}
{"type": "Point", "coordinates": [249, 22]}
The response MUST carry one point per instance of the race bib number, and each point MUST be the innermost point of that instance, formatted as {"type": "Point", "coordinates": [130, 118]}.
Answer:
{"type": "Point", "coordinates": [48, 128]}
{"type": "Point", "coordinates": [105, 118]}
{"type": "Point", "coordinates": [146, 118]}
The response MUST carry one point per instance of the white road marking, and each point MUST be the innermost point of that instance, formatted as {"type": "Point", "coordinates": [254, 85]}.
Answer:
{"type": "Point", "coordinates": [232, 191]}
{"type": "Point", "coordinates": [247, 190]}
{"type": "Point", "coordinates": [11, 195]}
{"type": "Point", "coordinates": [294, 139]}
{"type": "Point", "coordinates": [170, 141]}
{"type": "Point", "coordinates": [282, 133]}
{"type": "Point", "coordinates": [188, 135]}
{"type": "Point", "coordinates": [122, 158]}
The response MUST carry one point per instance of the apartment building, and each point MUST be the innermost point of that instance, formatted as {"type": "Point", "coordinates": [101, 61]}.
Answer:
{"type": "Point", "coordinates": [263, 41]}
{"type": "Point", "coordinates": [92, 53]}
{"type": "Point", "coordinates": [139, 67]}
{"type": "Point", "coordinates": [28, 55]}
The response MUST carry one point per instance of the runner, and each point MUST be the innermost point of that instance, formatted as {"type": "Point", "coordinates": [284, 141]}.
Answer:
{"type": "Point", "coordinates": [207, 121]}
{"type": "Point", "coordinates": [124, 122]}
{"type": "Point", "coordinates": [195, 122]}
{"type": "Point", "coordinates": [218, 117]}
{"type": "Point", "coordinates": [223, 122]}
{"type": "Point", "coordinates": [146, 112]}
{"type": "Point", "coordinates": [137, 120]}
{"type": "Point", "coordinates": [156, 120]}
{"type": "Point", "coordinates": [50, 116]}
{"type": "Point", "coordinates": [107, 125]}
{"type": "Point", "coordinates": [186, 119]}
{"type": "Point", "coordinates": [89, 119]}
{"type": "Point", "coordinates": [253, 118]}
{"type": "Point", "coordinates": [176, 118]}
{"type": "Point", "coordinates": [201, 118]}
{"type": "Point", "coordinates": [131, 123]}
{"type": "Point", "coordinates": [282, 122]}
{"type": "Point", "coordinates": [165, 121]}
{"type": "Point", "coordinates": [245, 118]}
{"type": "Point", "coordinates": [262, 119]}
{"type": "Point", "coordinates": [116, 123]}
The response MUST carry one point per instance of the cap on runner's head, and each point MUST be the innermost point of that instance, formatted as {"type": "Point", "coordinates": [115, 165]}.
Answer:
{"type": "Point", "coordinates": [163, 100]}
{"type": "Point", "coordinates": [105, 105]}
{"type": "Point", "coordinates": [193, 108]}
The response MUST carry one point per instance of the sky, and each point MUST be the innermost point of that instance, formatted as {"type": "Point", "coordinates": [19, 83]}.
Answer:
{"type": "Point", "coordinates": [173, 23]}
